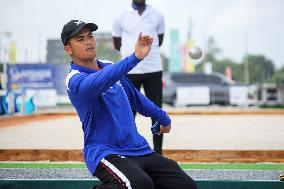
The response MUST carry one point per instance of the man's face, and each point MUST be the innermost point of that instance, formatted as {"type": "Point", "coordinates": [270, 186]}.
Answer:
{"type": "Point", "coordinates": [82, 46]}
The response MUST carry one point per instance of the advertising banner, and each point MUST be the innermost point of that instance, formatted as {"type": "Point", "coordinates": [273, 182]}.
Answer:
{"type": "Point", "coordinates": [37, 76]}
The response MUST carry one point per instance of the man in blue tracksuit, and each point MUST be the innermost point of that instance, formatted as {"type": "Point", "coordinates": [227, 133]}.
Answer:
{"type": "Point", "coordinates": [114, 151]}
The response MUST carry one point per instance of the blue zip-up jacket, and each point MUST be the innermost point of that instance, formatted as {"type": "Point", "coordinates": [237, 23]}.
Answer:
{"type": "Point", "coordinates": [103, 100]}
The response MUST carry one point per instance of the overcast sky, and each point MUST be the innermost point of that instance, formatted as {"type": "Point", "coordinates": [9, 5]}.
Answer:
{"type": "Point", "coordinates": [32, 22]}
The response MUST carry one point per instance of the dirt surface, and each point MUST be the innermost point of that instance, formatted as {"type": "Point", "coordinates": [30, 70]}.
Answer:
{"type": "Point", "coordinates": [229, 156]}
{"type": "Point", "coordinates": [42, 115]}
{"type": "Point", "coordinates": [197, 135]}
{"type": "Point", "coordinates": [15, 120]}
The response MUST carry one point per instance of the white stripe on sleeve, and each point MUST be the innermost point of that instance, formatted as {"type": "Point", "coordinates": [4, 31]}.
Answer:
{"type": "Point", "coordinates": [71, 74]}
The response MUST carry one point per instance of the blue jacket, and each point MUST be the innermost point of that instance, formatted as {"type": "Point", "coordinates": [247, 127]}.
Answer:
{"type": "Point", "coordinates": [103, 100]}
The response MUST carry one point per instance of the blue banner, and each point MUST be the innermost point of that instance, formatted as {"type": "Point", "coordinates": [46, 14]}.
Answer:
{"type": "Point", "coordinates": [37, 76]}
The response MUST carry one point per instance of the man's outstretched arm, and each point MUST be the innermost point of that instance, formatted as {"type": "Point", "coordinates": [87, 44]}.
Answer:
{"type": "Point", "coordinates": [100, 81]}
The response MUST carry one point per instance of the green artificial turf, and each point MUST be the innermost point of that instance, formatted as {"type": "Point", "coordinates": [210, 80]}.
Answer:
{"type": "Point", "coordinates": [237, 166]}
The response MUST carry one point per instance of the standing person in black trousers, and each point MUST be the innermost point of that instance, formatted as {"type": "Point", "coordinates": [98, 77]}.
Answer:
{"type": "Point", "coordinates": [142, 17]}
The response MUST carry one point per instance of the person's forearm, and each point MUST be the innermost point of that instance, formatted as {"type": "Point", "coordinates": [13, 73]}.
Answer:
{"type": "Point", "coordinates": [117, 43]}
{"type": "Point", "coordinates": [100, 81]}
{"type": "Point", "coordinates": [143, 105]}
{"type": "Point", "coordinates": [161, 39]}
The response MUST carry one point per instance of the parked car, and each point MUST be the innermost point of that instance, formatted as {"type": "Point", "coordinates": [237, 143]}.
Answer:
{"type": "Point", "coordinates": [217, 83]}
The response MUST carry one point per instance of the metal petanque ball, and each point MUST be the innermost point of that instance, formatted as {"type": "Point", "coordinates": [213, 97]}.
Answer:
{"type": "Point", "coordinates": [195, 53]}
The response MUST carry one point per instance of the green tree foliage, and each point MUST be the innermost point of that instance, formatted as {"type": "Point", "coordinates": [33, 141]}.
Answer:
{"type": "Point", "coordinates": [212, 51]}
{"type": "Point", "coordinates": [278, 77]}
{"type": "Point", "coordinates": [221, 65]}
{"type": "Point", "coordinates": [260, 68]}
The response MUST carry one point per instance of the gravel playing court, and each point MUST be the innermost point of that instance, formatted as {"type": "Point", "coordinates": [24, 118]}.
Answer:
{"type": "Point", "coordinates": [232, 132]}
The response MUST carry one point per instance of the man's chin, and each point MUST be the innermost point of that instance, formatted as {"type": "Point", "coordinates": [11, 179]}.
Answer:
{"type": "Point", "coordinates": [91, 55]}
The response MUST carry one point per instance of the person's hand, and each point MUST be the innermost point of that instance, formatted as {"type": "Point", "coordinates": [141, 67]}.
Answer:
{"type": "Point", "coordinates": [143, 45]}
{"type": "Point", "coordinates": [166, 129]}
{"type": "Point", "coordinates": [160, 129]}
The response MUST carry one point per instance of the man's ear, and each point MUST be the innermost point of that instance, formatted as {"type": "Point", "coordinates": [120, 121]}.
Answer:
{"type": "Point", "coordinates": [68, 49]}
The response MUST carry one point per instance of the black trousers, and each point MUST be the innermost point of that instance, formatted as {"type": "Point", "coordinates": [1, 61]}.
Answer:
{"type": "Point", "coordinates": [151, 171]}
{"type": "Point", "coordinates": [152, 84]}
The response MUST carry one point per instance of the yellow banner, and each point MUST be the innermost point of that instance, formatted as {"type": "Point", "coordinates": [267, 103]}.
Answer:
{"type": "Point", "coordinates": [189, 65]}
{"type": "Point", "coordinates": [12, 53]}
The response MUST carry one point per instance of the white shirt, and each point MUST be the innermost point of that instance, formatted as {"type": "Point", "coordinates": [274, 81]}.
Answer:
{"type": "Point", "coordinates": [128, 24]}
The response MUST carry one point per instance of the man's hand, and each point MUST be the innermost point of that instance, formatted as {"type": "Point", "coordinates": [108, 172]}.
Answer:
{"type": "Point", "coordinates": [160, 129]}
{"type": "Point", "coordinates": [143, 46]}
{"type": "Point", "coordinates": [166, 129]}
